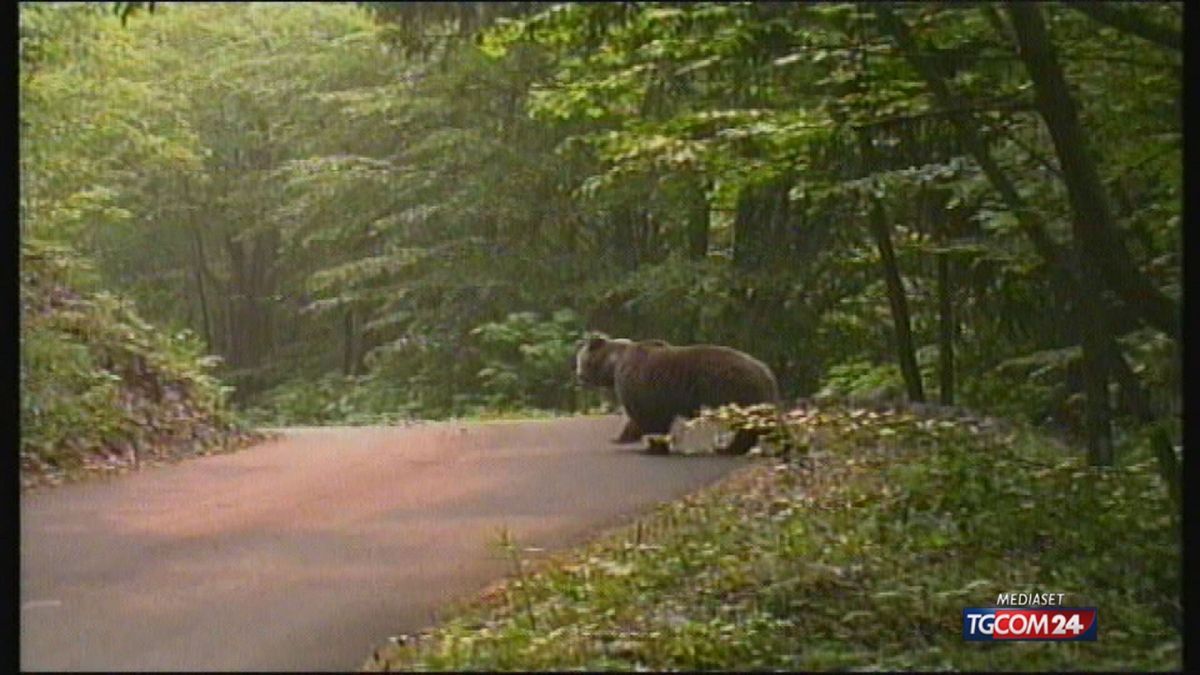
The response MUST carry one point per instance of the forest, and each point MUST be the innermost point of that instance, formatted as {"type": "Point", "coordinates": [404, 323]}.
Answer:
{"type": "Point", "coordinates": [238, 217]}
{"type": "Point", "coordinates": [366, 212]}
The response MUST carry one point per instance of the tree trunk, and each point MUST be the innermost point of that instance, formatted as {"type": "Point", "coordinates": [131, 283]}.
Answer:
{"type": "Point", "coordinates": [198, 270]}
{"type": "Point", "coordinates": [1137, 402]}
{"type": "Point", "coordinates": [350, 343]}
{"type": "Point", "coordinates": [250, 290]}
{"type": "Point", "coordinates": [1126, 20]}
{"type": "Point", "coordinates": [1097, 411]}
{"type": "Point", "coordinates": [759, 226]}
{"type": "Point", "coordinates": [898, 301]}
{"type": "Point", "coordinates": [967, 128]}
{"type": "Point", "coordinates": [240, 315]}
{"type": "Point", "coordinates": [1100, 251]}
{"type": "Point", "coordinates": [934, 205]}
{"type": "Point", "coordinates": [1086, 309]}
{"type": "Point", "coordinates": [698, 224]}
{"type": "Point", "coordinates": [945, 331]}
{"type": "Point", "coordinates": [624, 244]}
{"type": "Point", "coordinates": [266, 248]}
{"type": "Point", "coordinates": [1103, 252]}
{"type": "Point", "coordinates": [698, 216]}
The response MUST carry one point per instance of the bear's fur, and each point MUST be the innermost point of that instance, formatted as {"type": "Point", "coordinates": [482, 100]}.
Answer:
{"type": "Point", "coordinates": [657, 382]}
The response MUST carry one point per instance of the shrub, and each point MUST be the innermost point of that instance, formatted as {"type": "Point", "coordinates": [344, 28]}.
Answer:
{"type": "Point", "coordinates": [100, 387]}
{"type": "Point", "coordinates": [528, 360]}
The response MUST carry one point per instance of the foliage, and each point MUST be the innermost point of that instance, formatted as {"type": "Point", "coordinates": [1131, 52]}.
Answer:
{"type": "Point", "coordinates": [333, 399]}
{"type": "Point", "coordinates": [522, 363]}
{"type": "Point", "coordinates": [524, 358]}
{"type": "Point", "coordinates": [863, 560]}
{"type": "Point", "coordinates": [349, 194]}
{"type": "Point", "coordinates": [861, 380]}
{"type": "Point", "coordinates": [100, 387]}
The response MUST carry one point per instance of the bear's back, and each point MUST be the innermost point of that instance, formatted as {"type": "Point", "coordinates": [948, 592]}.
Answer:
{"type": "Point", "coordinates": [657, 383]}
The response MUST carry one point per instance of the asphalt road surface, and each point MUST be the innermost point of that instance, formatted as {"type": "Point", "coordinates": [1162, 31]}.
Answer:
{"type": "Point", "coordinates": [307, 552]}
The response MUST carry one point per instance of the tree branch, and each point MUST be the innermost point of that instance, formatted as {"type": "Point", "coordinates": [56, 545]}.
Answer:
{"type": "Point", "coordinates": [968, 129]}
{"type": "Point", "coordinates": [1093, 225]}
{"type": "Point", "coordinates": [1148, 302]}
{"type": "Point", "coordinates": [1130, 23]}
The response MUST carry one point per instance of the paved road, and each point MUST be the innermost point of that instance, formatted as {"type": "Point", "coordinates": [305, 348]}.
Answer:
{"type": "Point", "coordinates": [306, 552]}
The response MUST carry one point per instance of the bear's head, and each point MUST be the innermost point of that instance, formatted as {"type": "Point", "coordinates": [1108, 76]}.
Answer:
{"type": "Point", "coordinates": [597, 358]}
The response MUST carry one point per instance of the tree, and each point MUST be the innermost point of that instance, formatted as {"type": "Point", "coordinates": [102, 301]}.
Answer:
{"type": "Point", "coordinates": [349, 194]}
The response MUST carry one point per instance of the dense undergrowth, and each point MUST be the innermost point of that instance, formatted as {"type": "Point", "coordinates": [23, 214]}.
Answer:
{"type": "Point", "coordinates": [101, 389]}
{"type": "Point", "coordinates": [861, 557]}
{"type": "Point", "coordinates": [523, 367]}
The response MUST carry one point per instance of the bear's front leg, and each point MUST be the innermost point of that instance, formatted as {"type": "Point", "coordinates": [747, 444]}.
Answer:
{"type": "Point", "coordinates": [631, 433]}
{"type": "Point", "coordinates": [743, 440]}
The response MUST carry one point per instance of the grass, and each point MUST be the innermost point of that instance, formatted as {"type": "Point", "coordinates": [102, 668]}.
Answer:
{"type": "Point", "coordinates": [863, 558]}
{"type": "Point", "coordinates": [518, 415]}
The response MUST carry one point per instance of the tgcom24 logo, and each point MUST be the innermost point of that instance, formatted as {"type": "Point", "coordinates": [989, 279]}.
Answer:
{"type": "Point", "coordinates": [1061, 624]}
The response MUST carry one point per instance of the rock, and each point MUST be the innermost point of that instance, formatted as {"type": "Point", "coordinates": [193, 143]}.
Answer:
{"type": "Point", "coordinates": [698, 436]}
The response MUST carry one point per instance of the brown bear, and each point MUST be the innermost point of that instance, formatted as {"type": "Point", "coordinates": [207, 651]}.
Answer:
{"type": "Point", "coordinates": [656, 382]}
